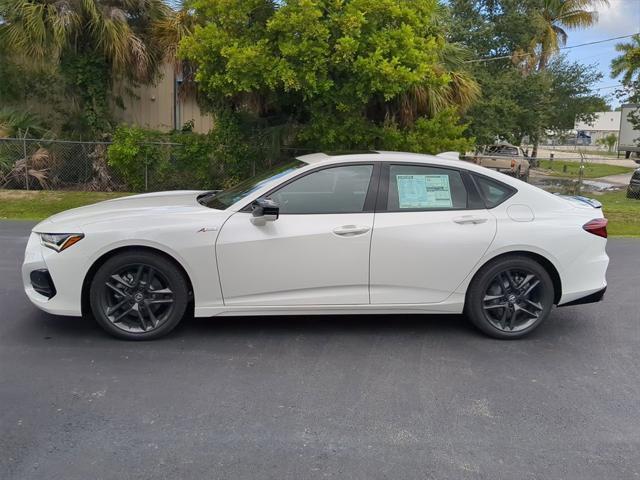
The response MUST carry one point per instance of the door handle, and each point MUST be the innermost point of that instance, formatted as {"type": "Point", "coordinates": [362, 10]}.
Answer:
{"type": "Point", "coordinates": [350, 230]}
{"type": "Point", "coordinates": [469, 219]}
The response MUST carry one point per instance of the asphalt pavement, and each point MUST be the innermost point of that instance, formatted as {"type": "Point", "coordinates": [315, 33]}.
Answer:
{"type": "Point", "coordinates": [358, 397]}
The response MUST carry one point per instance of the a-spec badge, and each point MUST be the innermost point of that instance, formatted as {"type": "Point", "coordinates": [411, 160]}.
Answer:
{"type": "Point", "coordinates": [208, 229]}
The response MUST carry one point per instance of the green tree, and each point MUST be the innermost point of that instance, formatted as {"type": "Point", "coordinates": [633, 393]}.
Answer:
{"type": "Point", "coordinates": [519, 100]}
{"type": "Point", "coordinates": [556, 16]}
{"type": "Point", "coordinates": [609, 141]}
{"type": "Point", "coordinates": [627, 64]}
{"type": "Point", "coordinates": [346, 73]}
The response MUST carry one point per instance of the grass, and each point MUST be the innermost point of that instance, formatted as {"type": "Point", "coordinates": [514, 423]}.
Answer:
{"type": "Point", "coordinates": [40, 204]}
{"type": "Point", "coordinates": [591, 170]}
{"type": "Point", "coordinates": [623, 213]}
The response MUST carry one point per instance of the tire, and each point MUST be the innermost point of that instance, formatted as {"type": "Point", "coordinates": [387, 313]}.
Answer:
{"type": "Point", "coordinates": [503, 288]}
{"type": "Point", "coordinates": [138, 295]}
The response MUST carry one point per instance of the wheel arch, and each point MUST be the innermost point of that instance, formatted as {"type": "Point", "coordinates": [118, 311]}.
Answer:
{"type": "Point", "coordinates": [541, 259]}
{"type": "Point", "coordinates": [86, 308]}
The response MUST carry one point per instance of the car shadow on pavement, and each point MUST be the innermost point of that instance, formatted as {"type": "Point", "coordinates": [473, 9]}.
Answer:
{"type": "Point", "coordinates": [326, 324]}
{"type": "Point", "coordinates": [75, 328]}
{"type": "Point", "coordinates": [46, 326]}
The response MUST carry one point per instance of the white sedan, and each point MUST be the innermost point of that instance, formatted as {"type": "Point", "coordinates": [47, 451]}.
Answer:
{"type": "Point", "coordinates": [370, 233]}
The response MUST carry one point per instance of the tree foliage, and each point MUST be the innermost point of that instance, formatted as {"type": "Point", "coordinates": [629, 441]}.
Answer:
{"type": "Point", "coordinates": [627, 64]}
{"type": "Point", "coordinates": [519, 99]}
{"type": "Point", "coordinates": [344, 72]}
{"type": "Point", "coordinates": [88, 44]}
{"type": "Point", "coordinates": [555, 16]}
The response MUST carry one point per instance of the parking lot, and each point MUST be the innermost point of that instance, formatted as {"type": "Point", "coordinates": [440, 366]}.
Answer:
{"type": "Point", "coordinates": [357, 397]}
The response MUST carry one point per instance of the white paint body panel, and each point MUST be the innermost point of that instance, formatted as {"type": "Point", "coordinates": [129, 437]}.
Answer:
{"type": "Point", "coordinates": [408, 262]}
{"type": "Point", "coordinates": [296, 260]}
{"type": "Point", "coordinates": [422, 257]}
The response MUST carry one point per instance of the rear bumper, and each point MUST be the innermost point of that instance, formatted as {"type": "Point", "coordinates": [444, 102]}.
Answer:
{"type": "Point", "coordinates": [591, 298]}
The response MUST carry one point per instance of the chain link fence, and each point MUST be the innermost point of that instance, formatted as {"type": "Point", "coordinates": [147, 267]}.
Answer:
{"type": "Point", "coordinates": [39, 164]}
{"type": "Point", "coordinates": [45, 164]}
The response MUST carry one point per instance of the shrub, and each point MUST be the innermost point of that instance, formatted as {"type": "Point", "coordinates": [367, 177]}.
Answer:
{"type": "Point", "coordinates": [151, 160]}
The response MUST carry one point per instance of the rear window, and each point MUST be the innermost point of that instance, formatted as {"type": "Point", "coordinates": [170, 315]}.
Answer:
{"type": "Point", "coordinates": [503, 150]}
{"type": "Point", "coordinates": [417, 187]}
{"type": "Point", "coordinates": [493, 192]}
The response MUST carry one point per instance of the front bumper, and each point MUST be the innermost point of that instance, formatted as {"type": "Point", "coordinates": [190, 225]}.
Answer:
{"type": "Point", "coordinates": [45, 284]}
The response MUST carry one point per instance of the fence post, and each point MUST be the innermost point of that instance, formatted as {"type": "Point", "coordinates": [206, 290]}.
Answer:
{"type": "Point", "coordinates": [581, 173]}
{"type": "Point", "coordinates": [146, 175]}
{"type": "Point", "coordinates": [26, 160]}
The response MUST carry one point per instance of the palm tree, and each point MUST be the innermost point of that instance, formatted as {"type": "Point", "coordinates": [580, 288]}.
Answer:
{"type": "Point", "coordinates": [118, 30]}
{"type": "Point", "coordinates": [628, 63]}
{"type": "Point", "coordinates": [458, 92]}
{"type": "Point", "coordinates": [557, 15]}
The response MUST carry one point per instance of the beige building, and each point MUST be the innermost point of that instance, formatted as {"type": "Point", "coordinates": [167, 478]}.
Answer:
{"type": "Point", "coordinates": [159, 107]}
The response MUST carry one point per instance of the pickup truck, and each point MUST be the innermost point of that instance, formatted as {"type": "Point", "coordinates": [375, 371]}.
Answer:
{"type": "Point", "coordinates": [504, 158]}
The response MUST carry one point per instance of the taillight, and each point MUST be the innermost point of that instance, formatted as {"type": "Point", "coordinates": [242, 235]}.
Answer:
{"type": "Point", "coordinates": [597, 226]}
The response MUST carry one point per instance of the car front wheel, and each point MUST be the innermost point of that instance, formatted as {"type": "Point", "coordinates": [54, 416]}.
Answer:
{"type": "Point", "coordinates": [510, 297]}
{"type": "Point", "coordinates": [138, 295]}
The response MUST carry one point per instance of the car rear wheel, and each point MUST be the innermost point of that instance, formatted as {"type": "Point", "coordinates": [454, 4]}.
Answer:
{"type": "Point", "coordinates": [510, 297]}
{"type": "Point", "coordinates": [138, 295]}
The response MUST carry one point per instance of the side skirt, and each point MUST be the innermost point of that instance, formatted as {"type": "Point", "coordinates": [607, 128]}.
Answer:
{"type": "Point", "coordinates": [452, 306]}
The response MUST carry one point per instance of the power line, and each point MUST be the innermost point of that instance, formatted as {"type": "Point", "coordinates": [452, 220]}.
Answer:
{"type": "Point", "coordinates": [490, 59]}
{"type": "Point", "coordinates": [607, 87]}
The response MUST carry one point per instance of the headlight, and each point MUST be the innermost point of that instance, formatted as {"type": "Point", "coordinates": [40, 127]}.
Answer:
{"type": "Point", "coordinates": [59, 241]}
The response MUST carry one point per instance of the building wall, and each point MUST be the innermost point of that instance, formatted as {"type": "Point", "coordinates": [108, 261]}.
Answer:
{"type": "Point", "coordinates": [152, 106]}
{"type": "Point", "coordinates": [603, 122]}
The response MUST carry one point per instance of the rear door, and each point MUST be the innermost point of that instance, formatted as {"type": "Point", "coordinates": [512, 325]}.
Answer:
{"type": "Point", "coordinates": [431, 229]}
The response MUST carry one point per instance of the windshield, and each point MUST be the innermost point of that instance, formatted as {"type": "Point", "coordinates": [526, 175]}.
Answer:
{"type": "Point", "coordinates": [221, 200]}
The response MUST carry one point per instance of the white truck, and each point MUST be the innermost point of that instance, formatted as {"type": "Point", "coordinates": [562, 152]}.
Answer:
{"type": "Point", "coordinates": [629, 135]}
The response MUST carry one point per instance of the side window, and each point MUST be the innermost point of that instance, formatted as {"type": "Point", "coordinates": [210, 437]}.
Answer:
{"type": "Point", "coordinates": [425, 188]}
{"type": "Point", "coordinates": [331, 190]}
{"type": "Point", "coordinates": [493, 192]}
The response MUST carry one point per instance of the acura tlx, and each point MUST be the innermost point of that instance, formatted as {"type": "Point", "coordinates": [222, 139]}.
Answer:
{"type": "Point", "coordinates": [366, 233]}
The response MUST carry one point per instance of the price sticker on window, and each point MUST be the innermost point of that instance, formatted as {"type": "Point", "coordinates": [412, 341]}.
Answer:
{"type": "Point", "coordinates": [424, 191]}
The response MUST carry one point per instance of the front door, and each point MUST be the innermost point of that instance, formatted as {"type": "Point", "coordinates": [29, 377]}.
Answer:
{"type": "Point", "coordinates": [315, 253]}
{"type": "Point", "coordinates": [428, 235]}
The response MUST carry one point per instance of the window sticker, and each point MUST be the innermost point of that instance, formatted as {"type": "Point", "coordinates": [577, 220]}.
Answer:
{"type": "Point", "coordinates": [424, 191]}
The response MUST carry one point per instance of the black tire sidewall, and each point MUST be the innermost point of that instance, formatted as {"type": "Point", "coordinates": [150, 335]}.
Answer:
{"type": "Point", "coordinates": [173, 274]}
{"type": "Point", "coordinates": [479, 284]}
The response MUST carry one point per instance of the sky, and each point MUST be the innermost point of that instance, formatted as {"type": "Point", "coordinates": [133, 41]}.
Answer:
{"type": "Point", "coordinates": [621, 17]}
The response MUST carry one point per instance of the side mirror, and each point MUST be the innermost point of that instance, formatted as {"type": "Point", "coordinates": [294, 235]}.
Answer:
{"type": "Point", "coordinates": [264, 210]}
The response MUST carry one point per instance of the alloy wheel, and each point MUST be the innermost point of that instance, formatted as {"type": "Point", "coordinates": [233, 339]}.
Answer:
{"type": "Point", "coordinates": [137, 298]}
{"type": "Point", "coordinates": [513, 300]}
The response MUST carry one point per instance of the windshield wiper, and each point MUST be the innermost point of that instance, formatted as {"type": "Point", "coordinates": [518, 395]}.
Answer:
{"type": "Point", "coordinates": [207, 196]}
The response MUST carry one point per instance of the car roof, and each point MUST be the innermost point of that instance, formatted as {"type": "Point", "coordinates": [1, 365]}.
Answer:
{"type": "Point", "coordinates": [445, 158]}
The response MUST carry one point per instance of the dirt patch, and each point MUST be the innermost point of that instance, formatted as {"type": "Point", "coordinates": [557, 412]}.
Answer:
{"type": "Point", "coordinates": [26, 195]}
